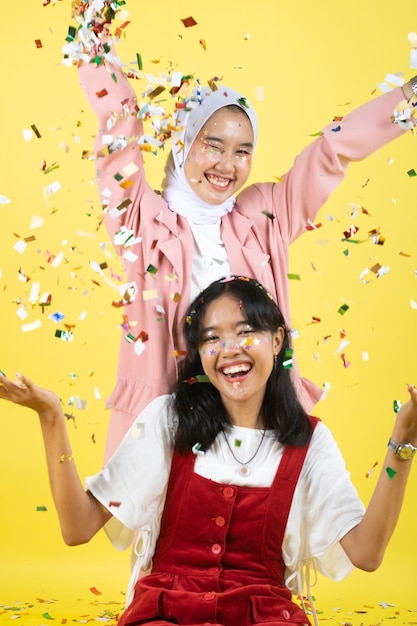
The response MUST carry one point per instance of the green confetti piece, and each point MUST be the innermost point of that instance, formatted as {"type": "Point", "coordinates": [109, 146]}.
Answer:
{"type": "Point", "coordinates": [268, 215]}
{"type": "Point", "coordinates": [391, 473]}
{"type": "Point", "coordinates": [72, 32]}
{"type": "Point", "coordinates": [294, 276]}
{"type": "Point", "coordinates": [412, 172]}
{"type": "Point", "coordinates": [47, 616]}
{"type": "Point", "coordinates": [202, 378]}
{"type": "Point", "coordinates": [238, 443]}
{"type": "Point", "coordinates": [397, 405]}
{"type": "Point", "coordinates": [342, 310]}
{"type": "Point", "coordinates": [287, 363]}
{"type": "Point", "coordinates": [152, 269]}
{"type": "Point", "coordinates": [346, 252]}
{"type": "Point", "coordinates": [139, 61]}
{"type": "Point", "coordinates": [243, 102]}
{"type": "Point", "coordinates": [118, 177]}
{"type": "Point", "coordinates": [41, 508]}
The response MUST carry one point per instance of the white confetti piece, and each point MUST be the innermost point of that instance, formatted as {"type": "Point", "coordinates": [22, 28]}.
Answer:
{"type": "Point", "coordinates": [26, 328]}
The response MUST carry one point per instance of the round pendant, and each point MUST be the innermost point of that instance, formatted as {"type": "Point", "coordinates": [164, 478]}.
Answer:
{"type": "Point", "coordinates": [244, 470]}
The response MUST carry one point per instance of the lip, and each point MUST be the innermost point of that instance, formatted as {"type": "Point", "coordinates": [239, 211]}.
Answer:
{"type": "Point", "coordinates": [211, 181]}
{"type": "Point", "coordinates": [243, 366]}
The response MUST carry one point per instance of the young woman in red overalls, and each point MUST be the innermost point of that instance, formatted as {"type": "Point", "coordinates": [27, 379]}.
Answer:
{"type": "Point", "coordinates": [233, 489]}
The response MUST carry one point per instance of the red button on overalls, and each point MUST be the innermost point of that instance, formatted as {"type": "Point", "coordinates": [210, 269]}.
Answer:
{"type": "Point", "coordinates": [216, 548]}
{"type": "Point", "coordinates": [219, 521]}
{"type": "Point", "coordinates": [210, 595]}
{"type": "Point", "coordinates": [228, 492]}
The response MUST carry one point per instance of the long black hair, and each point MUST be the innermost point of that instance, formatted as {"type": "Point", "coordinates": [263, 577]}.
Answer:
{"type": "Point", "coordinates": [201, 413]}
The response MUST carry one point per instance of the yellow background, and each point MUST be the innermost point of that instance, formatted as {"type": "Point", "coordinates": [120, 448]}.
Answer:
{"type": "Point", "coordinates": [313, 61]}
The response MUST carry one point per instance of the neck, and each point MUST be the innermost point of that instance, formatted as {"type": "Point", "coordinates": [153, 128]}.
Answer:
{"type": "Point", "coordinates": [241, 416]}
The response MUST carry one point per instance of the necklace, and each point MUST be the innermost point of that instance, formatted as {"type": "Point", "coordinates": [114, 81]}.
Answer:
{"type": "Point", "coordinates": [244, 470]}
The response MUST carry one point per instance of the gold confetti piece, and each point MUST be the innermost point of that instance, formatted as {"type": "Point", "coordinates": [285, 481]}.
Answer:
{"type": "Point", "coordinates": [149, 294]}
{"type": "Point", "coordinates": [369, 473]}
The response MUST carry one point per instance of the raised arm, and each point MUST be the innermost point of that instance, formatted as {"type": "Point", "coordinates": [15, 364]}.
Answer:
{"type": "Point", "coordinates": [119, 141]}
{"type": "Point", "coordinates": [321, 167]}
{"type": "Point", "coordinates": [80, 514]}
{"type": "Point", "coordinates": [365, 544]}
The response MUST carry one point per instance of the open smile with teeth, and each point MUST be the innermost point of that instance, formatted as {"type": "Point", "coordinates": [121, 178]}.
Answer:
{"type": "Point", "coordinates": [236, 370]}
{"type": "Point", "coordinates": [218, 181]}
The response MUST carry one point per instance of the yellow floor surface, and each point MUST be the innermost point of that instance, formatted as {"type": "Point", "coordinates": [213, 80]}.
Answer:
{"type": "Point", "coordinates": [75, 591]}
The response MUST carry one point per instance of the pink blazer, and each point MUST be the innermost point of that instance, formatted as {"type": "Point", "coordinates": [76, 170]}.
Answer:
{"type": "Point", "coordinates": [256, 245]}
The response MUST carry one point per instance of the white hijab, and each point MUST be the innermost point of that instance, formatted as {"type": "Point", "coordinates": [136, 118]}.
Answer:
{"type": "Point", "coordinates": [189, 121]}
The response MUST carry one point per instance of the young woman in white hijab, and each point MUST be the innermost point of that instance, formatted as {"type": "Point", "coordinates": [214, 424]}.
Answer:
{"type": "Point", "coordinates": [206, 224]}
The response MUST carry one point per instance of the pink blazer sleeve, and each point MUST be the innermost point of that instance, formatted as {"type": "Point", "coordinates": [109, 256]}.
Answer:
{"type": "Point", "coordinates": [119, 172]}
{"type": "Point", "coordinates": [321, 167]}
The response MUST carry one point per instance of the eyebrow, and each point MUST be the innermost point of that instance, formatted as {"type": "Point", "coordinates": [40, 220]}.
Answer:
{"type": "Point", "coordinates": [247, 144]}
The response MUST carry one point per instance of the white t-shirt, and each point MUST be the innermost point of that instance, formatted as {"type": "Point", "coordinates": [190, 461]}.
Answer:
{"type": "Point", "coordinates": [210, 260]}
{"type": "Point", "coordinates": [325, 504]}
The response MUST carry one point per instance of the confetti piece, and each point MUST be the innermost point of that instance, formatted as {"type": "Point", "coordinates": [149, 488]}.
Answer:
{"type": "Point", "coordinates": [188, 21]}
{"type": "Point", "coordinates": [346, 363]}
{"type": "Point", "coordinates": [294, 276]}
{"type": "Point", "coordinates": [36, 131]}
{"type": "Point", "coordinates": [268, 215]}
{"type": "Point", "coordinates": [42, 508]}
{"type": "Point", "coordinates": [178, 353]}
{"type": "Point", "coordinates": [412, 172]}
{"type": "Point", "coordinates": [287, 362]}
{"type": "Point", "coordinates": [33, 326]}
{"type": "Point", "coordinates": [342, 309]}
{"type": "Point", "coordinates": [370, 472]}
{"type": "Point", "coordinates": [397, 404]}
{"type": "Point", "coordinates": [391, 473]}
{"type": "Point", "coordinates": [326, 389]}
{"type": "Point", "coordinates": [4, 200]}
{"type": "Point", "coordinates": [196, 449]}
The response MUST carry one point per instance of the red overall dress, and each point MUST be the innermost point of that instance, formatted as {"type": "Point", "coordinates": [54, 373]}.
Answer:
{"type": "Point", "coordinates": [218, 558]}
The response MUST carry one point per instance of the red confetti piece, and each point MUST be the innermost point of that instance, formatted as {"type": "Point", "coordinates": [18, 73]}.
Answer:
{"type": "Point", "coordinates": [38, 43]}
{"type": "Point", "coordinates": [103, 92]}
{"type": "Point", "coordinates": [189, 21]}
{"type": "Point", "coordinates": [345, 362]}
{"type": "Point", "coordinates": [95, 591]}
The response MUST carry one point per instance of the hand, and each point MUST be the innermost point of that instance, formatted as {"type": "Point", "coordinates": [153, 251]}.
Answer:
{"type": "Point", "coordinates": [406, 424]}
{"type": "Point", "coordinates": [23, 392]}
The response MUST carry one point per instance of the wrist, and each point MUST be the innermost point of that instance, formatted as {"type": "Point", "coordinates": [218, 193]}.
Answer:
{"type": "Point", "coordinates": [410, 89]}
{"type": "Point", "coordinates": [404, 451]}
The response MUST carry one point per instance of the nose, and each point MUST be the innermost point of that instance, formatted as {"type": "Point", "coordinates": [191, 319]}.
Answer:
{"type": "Point", "coordinates": [232, 345]}
{"type": "Point", "coordinates": [225, 163]}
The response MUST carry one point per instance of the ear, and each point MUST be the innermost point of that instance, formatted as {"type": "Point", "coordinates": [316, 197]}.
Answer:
{"type": "Point", "coordinates": [278, 340]}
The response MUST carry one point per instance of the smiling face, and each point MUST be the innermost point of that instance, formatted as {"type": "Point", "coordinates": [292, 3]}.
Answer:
{"type": "Point", "coordinates": [237, 358]}
{"type": "Point", "coordinates": [219, 161]}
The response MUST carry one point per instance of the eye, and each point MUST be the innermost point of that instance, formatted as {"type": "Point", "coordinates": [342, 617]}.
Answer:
{"type": "Point", "coordinates": [211, 147]}
{"type": "Point", "coordinates": [210, 339]}
{"type": "Point", "coordinates": [247, 330]}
